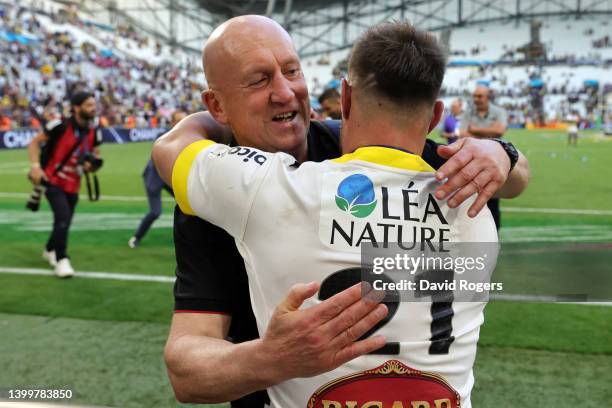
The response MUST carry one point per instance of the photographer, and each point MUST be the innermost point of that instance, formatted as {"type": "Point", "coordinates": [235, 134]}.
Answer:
{"type": "Point", "coordinates": [70, 148]}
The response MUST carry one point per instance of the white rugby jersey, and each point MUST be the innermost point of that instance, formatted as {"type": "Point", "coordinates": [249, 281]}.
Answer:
{"type": "Point", "coordinates": [298, 224]}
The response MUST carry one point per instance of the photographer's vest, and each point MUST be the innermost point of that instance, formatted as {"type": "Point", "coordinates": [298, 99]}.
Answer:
{"type": "Point", "coordinates": [68, 177]}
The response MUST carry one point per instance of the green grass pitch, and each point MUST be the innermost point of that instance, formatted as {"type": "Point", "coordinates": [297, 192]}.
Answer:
{"type": "Point", "coordinates": [104, 338]}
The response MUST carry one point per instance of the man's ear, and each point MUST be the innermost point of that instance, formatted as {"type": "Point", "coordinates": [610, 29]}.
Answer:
{"type": "Point", "coordinates": [438, 110]}
{"type": "Point", "coordinates": [345, 99]}
{"type": "Point", "coordinates": [210, 99]}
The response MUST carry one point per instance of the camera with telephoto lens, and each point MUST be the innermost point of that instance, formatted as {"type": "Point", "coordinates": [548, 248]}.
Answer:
{"type": "Point", "coordinates": [94, 162]}
{"type": "Point", "coordinates": [33, 203]}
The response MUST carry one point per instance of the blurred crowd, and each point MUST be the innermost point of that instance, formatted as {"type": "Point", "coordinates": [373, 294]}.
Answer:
{"type": "Point", "coordinates": [41, 68]}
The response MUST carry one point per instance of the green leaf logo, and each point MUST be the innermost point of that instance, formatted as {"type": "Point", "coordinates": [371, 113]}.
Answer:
{"type": "Point", "coordinates": [362, 210]}
{"type": "Point", "coordinates": [342, 203]}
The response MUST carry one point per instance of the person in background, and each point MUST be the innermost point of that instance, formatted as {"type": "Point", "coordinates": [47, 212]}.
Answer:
{"type": "Point", "coordinates": [572, 129]}
{"type": "Point", "coordinates": [450, 128]}
{"type": "Point", "coordinates": [330, 103]}
{"type": "Point", "coordinates": [70, 148]}
{"type": "Point", "coordinates": [485, 120]}
{"type": "Point", "coordinates": [153, 186]}
{"type": "Point", "coordinates": [5, 122]}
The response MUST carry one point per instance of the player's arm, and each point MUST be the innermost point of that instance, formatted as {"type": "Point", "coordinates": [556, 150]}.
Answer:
{"type": "Point", "coordinates": [218, 184]}
{"type": "Point", "coordinates": [517, 181]}
{"type": "Point", "coordinates": [197, 126]}
{"type": "Point", "coordinates": [205, 368]}
{"type": "Point", "coordinates": [479, 166]}
{"type": "Point", "coordinates": [36, 173]}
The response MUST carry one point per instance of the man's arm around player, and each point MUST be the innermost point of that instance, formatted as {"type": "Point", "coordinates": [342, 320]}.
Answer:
{"type": "Point", "coordinates": [297, 343]}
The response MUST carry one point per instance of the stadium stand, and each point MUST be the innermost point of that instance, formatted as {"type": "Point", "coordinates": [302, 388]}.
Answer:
{"type": "Point", "coordinates": [49, 53]}
{"type": "Point", "coordinates": [493, 42]}
{"type": "Point", "coordinates": [573, 78]}
{"type": "Point", "coordinates": [50, 49]}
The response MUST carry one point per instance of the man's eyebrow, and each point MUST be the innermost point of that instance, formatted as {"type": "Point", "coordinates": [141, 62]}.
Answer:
{"type": "Point", "coordinates": [253, 70]}
{"type": "Point", "coordinates": [291, 60]}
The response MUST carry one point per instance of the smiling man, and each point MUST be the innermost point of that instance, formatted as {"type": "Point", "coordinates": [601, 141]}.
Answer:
{"type": "Point", "coordinates": [274, 122]}
{"type": "Point", "coordinates": [267, 108]}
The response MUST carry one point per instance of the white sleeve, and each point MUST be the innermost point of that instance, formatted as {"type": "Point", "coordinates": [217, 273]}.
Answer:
{"type": "Point", "coordinates": [219, 183]}
{"type": "Point", "coordinates": [479, 229]}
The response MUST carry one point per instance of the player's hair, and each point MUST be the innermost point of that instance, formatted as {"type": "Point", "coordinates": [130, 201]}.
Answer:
{"type": "Point", "coordinates": [398, 61]}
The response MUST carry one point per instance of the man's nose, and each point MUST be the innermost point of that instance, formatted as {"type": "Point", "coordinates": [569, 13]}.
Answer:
{"type": "Point", "coordinates": [282, 92]}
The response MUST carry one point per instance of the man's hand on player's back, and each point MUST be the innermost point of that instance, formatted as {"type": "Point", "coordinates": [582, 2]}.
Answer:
{"type": "Point", "coordinates": [475, 167]}
{"type": "Point", "coordinates": [297, 343]}
{"type": "Point", "coordinates": [320, 338]}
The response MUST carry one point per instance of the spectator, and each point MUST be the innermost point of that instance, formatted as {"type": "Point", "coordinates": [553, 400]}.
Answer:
{"type": "Point", "coordinates": [55, 64]}
{"type": "Point", "coordinates": [153, 186]}
{"type": "Point", "coordinates": [5, 122]}
{"type": "Point", "coordinates": [450, 129]}
{"type": "Point", "coordinates": [330, 103]}
{"type": "Point", "coordinates": [485, 120]}
{"type": "Point", "coordinates": [572, 129]}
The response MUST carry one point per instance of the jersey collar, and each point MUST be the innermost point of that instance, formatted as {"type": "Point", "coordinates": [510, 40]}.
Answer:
{"type": "Point", "coordinates": [387, 156]}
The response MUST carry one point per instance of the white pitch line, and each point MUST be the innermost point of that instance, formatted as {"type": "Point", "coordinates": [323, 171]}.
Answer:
{"type": "Point", "coordinates": [84, 197]}
{"type": "Point", "coordinates": [168, 279]}
{"type": "Point", "coordinates": [91, 275]}
{"type": "Point", "coordinates": [574, 211]}
{"type": "Point", "coordinates": [545, 299]}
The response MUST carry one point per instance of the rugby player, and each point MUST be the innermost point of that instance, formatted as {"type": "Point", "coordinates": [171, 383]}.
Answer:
{"type": "Point", "coordinates": [293, 223]}
{"type": "Point", "coordinates": [211, 292]}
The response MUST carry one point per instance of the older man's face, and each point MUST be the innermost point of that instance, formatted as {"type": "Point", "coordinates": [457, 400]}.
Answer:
{"type": "Point", "coordinates": [263, 92]}
{"type": "Point", "coordinates": [481, 98]}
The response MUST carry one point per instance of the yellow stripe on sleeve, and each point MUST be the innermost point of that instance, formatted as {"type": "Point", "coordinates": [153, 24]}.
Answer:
{"type": "Point", "coordinates": [180, 173]}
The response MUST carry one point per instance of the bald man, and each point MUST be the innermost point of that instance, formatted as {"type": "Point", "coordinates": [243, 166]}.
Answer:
{"type": "Point", "coordinates": [257, 97]}
{"type": "Point", "coordinates": [485, 120]}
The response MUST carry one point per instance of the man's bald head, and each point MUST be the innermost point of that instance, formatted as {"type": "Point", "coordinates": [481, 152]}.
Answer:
{"type": "Point", "coordinates": [256, 85]}
{"type": "Point", "coordinates": [481, 90]}
{"type": "Point", "coordinates": [456, 107]}
{"type": "Point", "coordinates": [230, 41]}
